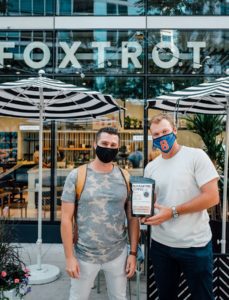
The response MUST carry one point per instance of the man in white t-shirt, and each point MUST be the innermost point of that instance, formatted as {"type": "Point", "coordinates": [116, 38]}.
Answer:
{"type": "Point", "coordinates": [186, 186]}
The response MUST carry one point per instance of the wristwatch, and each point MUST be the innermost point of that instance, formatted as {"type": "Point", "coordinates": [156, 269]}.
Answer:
{"type": "Point", "coordinates": [134, 253]}
{"type": "Point", "coordinates": [174, 212]}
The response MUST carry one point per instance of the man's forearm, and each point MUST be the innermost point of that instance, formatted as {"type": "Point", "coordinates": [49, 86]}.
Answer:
{"type": "Point", "coordinates": [199, 203]}
{"type": "Point", "coordinates": [208, 197]}
{"type": "Point", "coordinates": [66, 235]}
{"type": "Point", "coordinates": [134, 233]}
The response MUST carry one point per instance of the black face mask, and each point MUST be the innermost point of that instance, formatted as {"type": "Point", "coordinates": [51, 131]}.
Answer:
{"type": "Point", "coordinates": [106, 155]}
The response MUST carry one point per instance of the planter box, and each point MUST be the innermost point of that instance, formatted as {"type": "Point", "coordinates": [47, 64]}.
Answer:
{"type": "Point", "coordinates": [11, 295]}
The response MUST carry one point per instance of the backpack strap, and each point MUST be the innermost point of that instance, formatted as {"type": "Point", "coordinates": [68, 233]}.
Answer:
{"type": "Point", "coordinates": [80, 180]}
{"type": "Point", "coordinates": [126, 177]}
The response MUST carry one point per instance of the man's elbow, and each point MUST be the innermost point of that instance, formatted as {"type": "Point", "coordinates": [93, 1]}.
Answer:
{"type": "Point", "coordinates": [215, 199]}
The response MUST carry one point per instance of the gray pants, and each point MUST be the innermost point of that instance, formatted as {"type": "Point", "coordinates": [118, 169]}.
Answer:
{"type": "Point", "coordinates": [115, 278]}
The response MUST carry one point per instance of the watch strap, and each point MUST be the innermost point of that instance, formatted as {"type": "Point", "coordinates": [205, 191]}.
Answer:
{"type": "Point", "coordinates": [175, 214]}
{"type": "Point", "coordinates": [134, 253]}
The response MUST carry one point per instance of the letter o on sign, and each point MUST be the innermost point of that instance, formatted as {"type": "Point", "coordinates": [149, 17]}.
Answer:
{"type": "Point", "coordinates": [165, 64]}
{"type": "Point", "coordinates": [37, 64]}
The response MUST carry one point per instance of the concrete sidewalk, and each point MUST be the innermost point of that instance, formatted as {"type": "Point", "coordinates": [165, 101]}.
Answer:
{"type": "Point", "coordinates": [53, 254]}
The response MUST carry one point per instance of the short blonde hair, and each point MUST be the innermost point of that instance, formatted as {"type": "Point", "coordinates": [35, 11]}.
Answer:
{"type": "Point", "coordinates": [162, 116]}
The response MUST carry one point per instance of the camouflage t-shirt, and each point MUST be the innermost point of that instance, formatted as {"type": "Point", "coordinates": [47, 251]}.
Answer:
{"type": "Point", "coordinates": [101, 214]}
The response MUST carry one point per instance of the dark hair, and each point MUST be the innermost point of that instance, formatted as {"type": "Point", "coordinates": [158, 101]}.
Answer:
{"type": "Point", "coordinates": [109, 130]}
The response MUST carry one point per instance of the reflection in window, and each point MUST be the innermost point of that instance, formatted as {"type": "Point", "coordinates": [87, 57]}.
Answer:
{"type": "Point", "coordinates": [112, 7]}
{"type": "Point", "coordinates": [83, 7]}
{"type": "Point", "coordinates": [169, 52]}
{"type": "Point", "coordinates": [110, 53]}
{"type": "Point", "coordinates": [187, 7]}
{"type": "Point", "coordinates": [64, 7]}
{"type": "Point", "coordinates": [108, 7]}
{"type": "Point", "coordinates": [119, 87]}
{"type": "Point", "coordinates": [27, 7]}
{"type": "Point", "coordinates": [164, 85]}
{"type": "Point", "coordinates": [116, 9]}
{"type": "Point", "coordinates": [13, 7]}
{"type": "Point", "coordinates": [187, 51]}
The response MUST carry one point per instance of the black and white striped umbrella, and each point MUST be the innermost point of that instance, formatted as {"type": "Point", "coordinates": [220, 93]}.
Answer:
{"type": "Point", "coordinates": [44, 98]}
{"type": "Point", "coordinates": [207, 98]}
{"type": "Point", "coordinates": [61, 101]}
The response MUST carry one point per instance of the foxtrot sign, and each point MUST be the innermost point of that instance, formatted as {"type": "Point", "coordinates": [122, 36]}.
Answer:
{"type": "Point", "coordinates": [130, 53]}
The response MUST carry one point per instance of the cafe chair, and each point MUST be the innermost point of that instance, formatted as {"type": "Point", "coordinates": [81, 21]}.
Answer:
{"type": "Point", "coordinates": [17, 200]}
{"type": "Point", "coordinates": [18, 203]}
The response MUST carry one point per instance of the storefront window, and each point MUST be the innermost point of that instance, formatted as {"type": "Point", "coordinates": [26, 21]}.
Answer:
{"type": "Point", "coordinates": [109, 52]}
{"type": "Point", "coordinates": [72, 7]}
{"type": "Point", "coordinates": [19, 169]}
{"type": "Point", "coordinates": [27, 7]}
{"type": "Point", "coordinates": [118, 8]}
{"type": "Point", "coordinates": [98, 60]}
{"type": "Point", "coordinates": [64, 7]}
{"type": "Point", "coordinates": [115, 53]}
{"type": "Point", "coordinates": [27, 51]}
{"type": "Point", "coordinates": [165, 85]}
{"type": "Point", "coordinates": [188, 8]}
{"type": "Point", "coordinates": [188, 52]}
{"type": "Point", "coordinates": [108, 7]}
{"type": "Point", "coordinates": [83, 7]}
{"type": "Point", "coordinates": [13, 7]}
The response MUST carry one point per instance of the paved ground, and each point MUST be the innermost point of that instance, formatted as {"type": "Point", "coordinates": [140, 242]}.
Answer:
{"type": "Point", "coordinates": [58, 290]}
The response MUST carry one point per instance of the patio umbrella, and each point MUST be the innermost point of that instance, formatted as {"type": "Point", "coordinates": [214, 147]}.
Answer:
{"type": "Point", "coordinates": [206, 98]}
{"type": "Point", "coordinates": [44, 98]}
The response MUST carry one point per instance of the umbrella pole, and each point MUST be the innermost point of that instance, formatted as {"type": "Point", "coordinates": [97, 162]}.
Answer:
{"type": "Point", "coordinates": [41, 273]}
{"type": "Point", "coordinates": [39, 236]}
{"type": "Point", "coordinates": [224, 216]}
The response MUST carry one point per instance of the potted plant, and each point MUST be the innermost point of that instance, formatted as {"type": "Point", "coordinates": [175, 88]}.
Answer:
{"type": "Point", "coordinates": [135, 122]}
{"type": "Point", "coordinates": [14, 276]}
{"type": "Point", "coordinates": [210, 128]}
{"type": "Point", "coordinates": [127, 122]}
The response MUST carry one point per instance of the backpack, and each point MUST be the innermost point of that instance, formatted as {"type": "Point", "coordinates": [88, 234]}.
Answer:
{"type": "Point", "coordinates": [80, 182]}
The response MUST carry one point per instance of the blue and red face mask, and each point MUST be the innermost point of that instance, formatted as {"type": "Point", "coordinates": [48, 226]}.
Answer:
{"type": "Point", "coordinates": [165, 142]}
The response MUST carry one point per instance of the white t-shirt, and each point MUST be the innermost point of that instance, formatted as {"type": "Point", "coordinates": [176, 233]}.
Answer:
{"type": "Point", "coordinates": [178, 180]}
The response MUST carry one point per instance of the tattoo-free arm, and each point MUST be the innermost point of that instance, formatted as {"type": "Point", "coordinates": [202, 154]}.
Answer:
{"type": "Point", "coordinates": [208, 197]}
{"type": "Point", "coordinates": [134, 232]}
{"type": "Point", "coordinates": [133, 228]}
{"type": "Point", "coordinates": [67, 214]}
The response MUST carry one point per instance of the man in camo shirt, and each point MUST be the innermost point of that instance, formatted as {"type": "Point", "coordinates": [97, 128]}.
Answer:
{"type": "Point", "coordinates": [102, 239]}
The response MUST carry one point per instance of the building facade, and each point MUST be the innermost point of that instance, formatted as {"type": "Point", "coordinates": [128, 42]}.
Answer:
{"type": "Point", "coordinates": [133, 50]}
